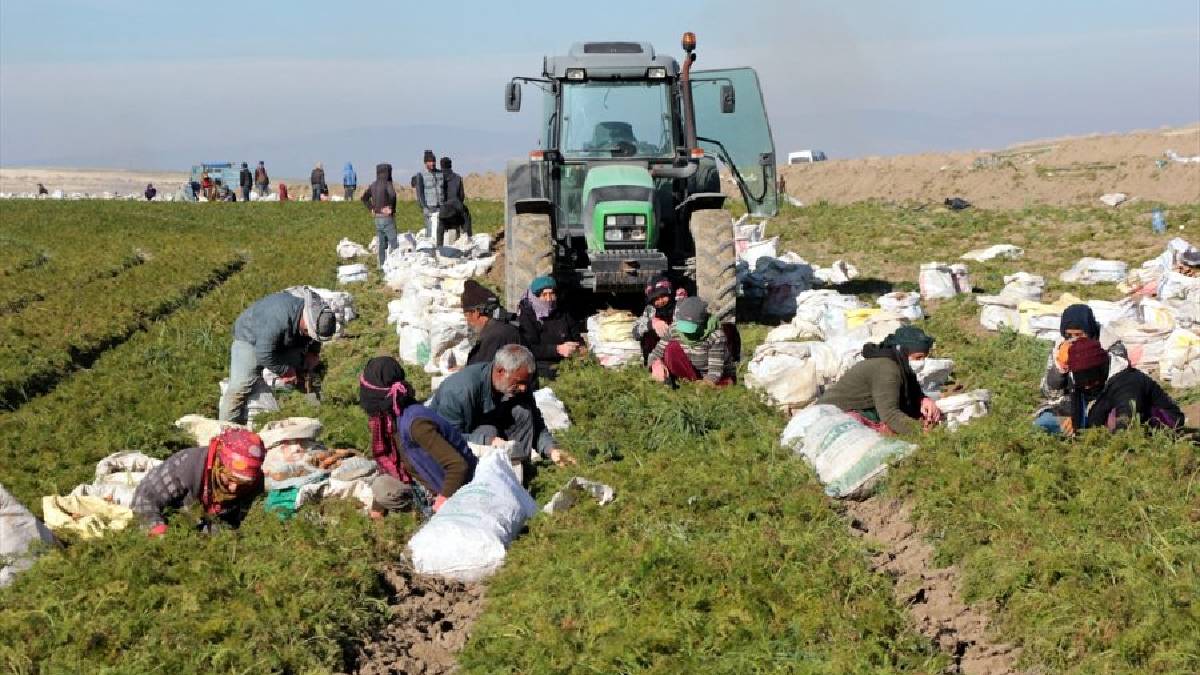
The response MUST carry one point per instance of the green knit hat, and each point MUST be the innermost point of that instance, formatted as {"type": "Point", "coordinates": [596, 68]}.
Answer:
{"type": "Point", "coordinates": [541, 283]}
{"type": "Point", "coordinates": [909, 338]}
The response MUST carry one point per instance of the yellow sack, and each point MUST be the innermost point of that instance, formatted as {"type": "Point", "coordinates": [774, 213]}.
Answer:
{"type": "Point", "coordinates": [616, 326]}
{"type": "Point", "coordinates": [89, 516]}
{"type": "Point", "coordinates": [857, 317]}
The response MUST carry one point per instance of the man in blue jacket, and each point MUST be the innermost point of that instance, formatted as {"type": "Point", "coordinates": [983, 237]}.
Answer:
{"type": "Point", "coordinates": [492, 402]}
{"type": "Point", "coordinates": [349, 181]}
{"type": "Point", "coordinates": [283, 333]}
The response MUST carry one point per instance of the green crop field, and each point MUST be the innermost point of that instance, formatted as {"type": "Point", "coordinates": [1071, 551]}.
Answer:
{"type": "Point", "coordinates": [721, 552]}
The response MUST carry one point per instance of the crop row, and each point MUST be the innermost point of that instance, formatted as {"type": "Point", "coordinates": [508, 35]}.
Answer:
{"type": "Point", "coordinates": [24, 289]}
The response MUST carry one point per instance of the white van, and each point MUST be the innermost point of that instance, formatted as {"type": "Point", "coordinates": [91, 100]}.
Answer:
{"type": "Point", "coordinates": [806, 156]}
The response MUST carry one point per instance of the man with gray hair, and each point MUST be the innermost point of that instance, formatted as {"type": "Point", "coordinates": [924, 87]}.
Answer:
{"type": "Point", "coordinates": [492, 402]}
{"type": "Point", "coordinates": [283, 333]}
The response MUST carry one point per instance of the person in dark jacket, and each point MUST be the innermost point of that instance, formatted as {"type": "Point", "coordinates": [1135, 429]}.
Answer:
{"type": "Point", "coordinates": [492, 402]}
{"type": "Point", "coordinates": [1077, 322]}
{"type": "Point", "coordinates": [41, 190]}
{"type": "Point", "coordinates": [428, 187]}
{"type": "Point", "coordinates": [150, 192]}
{"type": "Point", "coordinates": [317, 180]}
{"type": "Point", "coordinates": [696, 349]}
{"type": "Point", "coordinates": [349, 181]}
{"type": "Point", "coordinates": [223, 478]}
{"type": "Point", "coordinates": [413, 445]}
{"type": "Point", "coordinates": [380, 200]}
{"type": "Point", "coordinates": [1109, 393]}
{"type": "Point", "coordinates": [549, 332]}
{"type": "Point", "coordinates": [245, 181]}
{"type": "Point", "coordinates": [453, 213]}
{"type": "Point", "coordinates": [262, 180]}
{"type": "Point", "coordinates": [283, 333]}
{"type": "Point", "coordinates": [283, 192]}
{"type": "Point", "coordinates": [480, 307]}
{"type": "Point", "coordinates": [882, 390]}
{"type": "Point", "coordinates": [655, 322]}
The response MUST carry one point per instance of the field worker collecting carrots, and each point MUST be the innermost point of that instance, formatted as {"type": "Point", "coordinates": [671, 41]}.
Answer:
{"type": "Point", "coordinates": [1111, 394]}
{"type": "Point", "coordinates": [655, 322]}
{"type": "Point", "coordinates": [479, 307]}
{"type": "Point", "coordinates": [546, 329]}
{"type": "Point", "coordinates": [1077, 322]}
{"type": "Point", "coordinates": [492, 402]}
{"type": "Point", "coordinates": [882, 390]}
{"type": "Point", "coordinates": [282, 333]}
{"type": "Point", "coordinates": [696, 349]}
{"type": "Point", "coordinates": [380, 200]}
{"type": "Point", "coordinates": [409, 441]}
{"type": "Point", "coordinates": [223, 479]}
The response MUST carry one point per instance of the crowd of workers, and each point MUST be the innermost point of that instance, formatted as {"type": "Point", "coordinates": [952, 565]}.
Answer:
{"type": "Point", "coordinates": [423, 449]}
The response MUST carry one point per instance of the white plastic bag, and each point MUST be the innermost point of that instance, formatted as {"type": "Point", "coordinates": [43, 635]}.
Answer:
{"type": "Point", "coordinates": [414, 345]}
{"type": "Point", "coordinates": [847, 456]}
{"type": "Point", "coordinates": [1181, 359]}
{"type": "Point", "coordinates": [959, 409]}
{"type": "Point", "coordinates": [349, 274]}
{"type": "Point", "coordinates": [936, 281]}
{"type": "Point", "coordinates": [1002, 251]}
{"type": "Point", "coordinates": [906, 305]}
{"type": "Point", "coordinates": [554, 412]}
{"type": "Point", "coordinates": [19, 530]}
{"type": "Point", "coordinates": [1095, 271]}
{"type": "Point", "coordinates": [347, 250]}
{"type": "Point", "coordinates": [468, 537]}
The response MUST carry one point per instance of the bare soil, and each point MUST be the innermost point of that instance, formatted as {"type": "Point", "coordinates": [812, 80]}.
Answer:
{"type": "Point", "coordinates": [932, 594]}
{"type": "Point", "coordinates": [431, 621]}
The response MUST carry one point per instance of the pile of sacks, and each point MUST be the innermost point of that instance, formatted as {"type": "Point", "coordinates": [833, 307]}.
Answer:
{"type": "Point", "coordinates": [939, 281]}
{"type": "Point", "coordinates": [428, 315]}
{"type": "Point", "coordinates": [610, 338]}
{"type": "Point", "coordinates": [105, 504]}
{"type": "Point", "coordinates": [772, 281]}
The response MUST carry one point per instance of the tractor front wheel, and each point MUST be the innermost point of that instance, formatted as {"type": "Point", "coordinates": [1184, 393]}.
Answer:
{"type": "Point", "coordinates": [529, 253]}
{"type": "Point", "coordinates": [716, 260]}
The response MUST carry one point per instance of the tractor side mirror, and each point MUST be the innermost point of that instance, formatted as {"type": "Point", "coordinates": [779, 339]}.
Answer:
{"type": "Point", "coordinates": [512, 97]}
{"type": "Point", "coordinates": [728, 99]}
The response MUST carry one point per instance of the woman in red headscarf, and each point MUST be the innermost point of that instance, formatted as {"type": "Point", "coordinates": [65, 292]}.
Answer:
{"type": "Point", "coordinates": [223, 478]}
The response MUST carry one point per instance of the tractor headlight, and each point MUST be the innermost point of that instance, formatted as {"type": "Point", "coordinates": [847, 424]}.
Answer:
{"type": "Point", "coordinates": [656, 73]}
{"type": "Point", "coordinates": [576, 74]}
{"type": "Point", "coordinates": [639, 221]}
{"type": "Point", "coordinates": [614, 235]}
{"type": "Point", "coordinates": [610, 220]}
{"type": "Point", "coordinates": [637, 234]}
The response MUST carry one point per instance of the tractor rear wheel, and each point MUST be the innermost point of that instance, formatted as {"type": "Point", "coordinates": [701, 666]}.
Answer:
{"type": "Point", "coordinates": [529, 253]}
{"type": "Point", "coordinates": [716, 260]}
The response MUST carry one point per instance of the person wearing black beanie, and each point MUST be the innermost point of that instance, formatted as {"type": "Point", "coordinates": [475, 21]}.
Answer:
{"type": "Point", "coordinates": [429, 189]}
{"type": "Point", "coordinates": [479, 308]}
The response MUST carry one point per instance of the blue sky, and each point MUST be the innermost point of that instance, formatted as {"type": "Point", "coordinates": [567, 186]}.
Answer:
{"type": "Point", "coordinates": [159, 85]}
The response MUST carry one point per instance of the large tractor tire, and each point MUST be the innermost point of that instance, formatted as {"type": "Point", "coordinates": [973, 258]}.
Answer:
{"type": "Point", "coordinates": [716, 261]}
{"type": "Point", "coordinates": [528, 253]}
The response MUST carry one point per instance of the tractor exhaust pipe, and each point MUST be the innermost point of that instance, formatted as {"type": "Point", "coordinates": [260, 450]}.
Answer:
{"type": "Point", "coordinates": [685, 82]}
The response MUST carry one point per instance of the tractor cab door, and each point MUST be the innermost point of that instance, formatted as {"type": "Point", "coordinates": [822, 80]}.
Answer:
{"type": "Point", "coordinates": [732, 125]}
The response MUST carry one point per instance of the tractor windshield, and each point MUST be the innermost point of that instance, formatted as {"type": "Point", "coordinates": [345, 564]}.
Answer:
{"type": "Point", "coordinates": [606, 119]}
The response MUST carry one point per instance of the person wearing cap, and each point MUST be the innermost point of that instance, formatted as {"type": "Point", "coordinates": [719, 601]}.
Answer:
{"type": "Point", "coordinates": [262, 180]}
{"type": "Point", "coordinates": [283, 333]}
{"type": "Point", "coordinates": [695, 349]}
{"type": "Point", "coordinates": [480, 307]}
{"type": "Point", "coordinates": [1109, 393]}
{"type": "Point", "coordinates": [317, 180]}
{"type": "Point", "coordinates": [223, 478]}
{"type": "Point", "coordinates": [882, 390]}
{"type": "Point", "coordinates": [429, 189]}
{"type": "Point", "coordinates": [380, 200]}
{"type": "Point", "coordinates": [546, 330]}
{"type": "Point", "coordinates": [1077, 322]}
{"type": "Point", "coordinates": [655, 322]}
{"type": "Point", "coordinates": [492, 403]}
{"type": "Point", "coordinates": [423, 459]}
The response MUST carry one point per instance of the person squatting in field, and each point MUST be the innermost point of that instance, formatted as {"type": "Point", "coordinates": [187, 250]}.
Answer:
{"type": "Point", "coordinates": [492, 402]}
{"type": "Point", "coordinates": [696, 348]}
{"type": "Point", "coordinates": [480, 306]}
{"type": "Point", "coordinates": [655, 322]}
{"type": "Point", "coordinates": [1077, 322]}
{"type": "Point", "coordinates": [223, 478]}
{"type": "Point", "coordinates": [283, 333]}
{"type": "Point", "coordinates": [1107, 392]}
{"type": "Point", "coordinates": [380, 200]}
{"type": "Point", "coordinates": [422, 458]}
{"type": "Point", "coordinates": [882, 391]}
{"type": "Point", "coordinates": [546, 329]}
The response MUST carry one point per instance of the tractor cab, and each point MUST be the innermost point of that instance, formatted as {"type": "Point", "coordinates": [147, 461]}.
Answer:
{"type": "Point", "coordinates": [629, 149]}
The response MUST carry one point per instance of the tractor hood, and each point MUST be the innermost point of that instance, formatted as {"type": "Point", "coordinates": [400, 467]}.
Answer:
{"type": "Point", "coordinates": [618, 190]}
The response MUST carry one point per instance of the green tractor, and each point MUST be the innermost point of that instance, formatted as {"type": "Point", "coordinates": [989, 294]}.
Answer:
{"type": "Point", "coordinates": [626, 184]}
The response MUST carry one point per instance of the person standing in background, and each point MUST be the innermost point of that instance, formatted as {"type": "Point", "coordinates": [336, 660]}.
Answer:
{"type": "Point", "coordinates": [349, 181]}
{"type": "Point", "coordinates": [380, 199]}
{"type": "Point", "coordinates": [245, 181]}
{"type": "Point", "coordinates": [429, 192]}
{"type": "Point", "coordinates": [453, 213]}
{"type": "Point", "coordinates": [317, 179]}
{"type": "Point", "coordinates": [262, 180]}
{"type": "Point", "coordinates": [150, 192]}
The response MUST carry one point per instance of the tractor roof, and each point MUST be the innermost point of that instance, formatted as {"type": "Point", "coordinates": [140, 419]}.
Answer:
{"type": "Point", "coordinates": [610, 60]}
